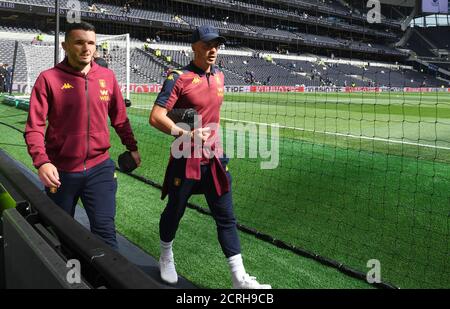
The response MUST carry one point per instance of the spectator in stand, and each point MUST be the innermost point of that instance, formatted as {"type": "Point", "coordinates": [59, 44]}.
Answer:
{"type": "Point", "coordinates": [9, 70]}
{"type": "Point", "coordinates": [147, 45]}
{"type": "Point", "coordinates": [124, 9]}
{"type": "Point", "coordinates": [105, 46]}
{"type": "Point", "coordinates": [177, 19]}
{"type": "Point", "coordinates": [40, 38]}
{"type": "Point", "coordinates": [3, 74]}
{"type": "Point", "coordinates": [225, 20]}
{"type": "Point", "coordinates": [93, 8]}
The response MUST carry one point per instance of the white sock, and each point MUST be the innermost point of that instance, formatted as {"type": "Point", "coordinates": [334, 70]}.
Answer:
{"type": "Point", "coordinates": [236, 267]}
{"type": "Point", "coordinates": [166, 250]}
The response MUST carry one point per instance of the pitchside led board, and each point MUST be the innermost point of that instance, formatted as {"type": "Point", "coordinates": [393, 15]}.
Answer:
{"type": "Point", "coordinates": [435, 6]}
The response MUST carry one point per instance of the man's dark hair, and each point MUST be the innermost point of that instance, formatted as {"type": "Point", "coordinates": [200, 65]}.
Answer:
{"type": "Point", "coordinates": [78, 26]}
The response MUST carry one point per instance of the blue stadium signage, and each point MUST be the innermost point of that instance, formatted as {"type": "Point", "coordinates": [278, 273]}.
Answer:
{"type": "Point", "coordinates": [51, 10]}
{"type": "Point", "coordinates": [43, 10]}
{"type": "Point", "coordinates": [7, 5]}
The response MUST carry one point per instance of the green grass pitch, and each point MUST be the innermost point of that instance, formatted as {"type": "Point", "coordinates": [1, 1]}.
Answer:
{"type": "Point", "coordinates": [361, 176]}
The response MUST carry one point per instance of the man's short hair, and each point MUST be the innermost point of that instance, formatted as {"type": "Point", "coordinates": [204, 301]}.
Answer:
{"type": "Point", "coordinates": [78, 26]}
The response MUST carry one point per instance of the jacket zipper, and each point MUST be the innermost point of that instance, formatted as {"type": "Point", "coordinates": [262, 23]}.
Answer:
{"type": "Point", "coordinates": [207, 78]}
{"type": "Point", "coordinates": [88, 120]}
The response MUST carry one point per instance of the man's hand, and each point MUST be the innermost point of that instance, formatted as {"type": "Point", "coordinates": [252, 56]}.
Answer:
{"type": "Point", "coordinates": [48, 174]}
{"type": "Point", "coordinates": [202, 133]}
{"type": "Point", "coordinates": [136, 157]}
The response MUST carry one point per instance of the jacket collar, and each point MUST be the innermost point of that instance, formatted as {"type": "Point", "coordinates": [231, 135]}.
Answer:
{"type": "Point", "coordinates": [192, 67]}
{"type": "Point", "coordinates": [64, 65]}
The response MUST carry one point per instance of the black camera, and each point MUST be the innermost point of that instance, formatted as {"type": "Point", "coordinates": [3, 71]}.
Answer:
{"type": "Point", "coordinates": [184, 115]}
{"type": "Point", "coordinates": [126, 162]}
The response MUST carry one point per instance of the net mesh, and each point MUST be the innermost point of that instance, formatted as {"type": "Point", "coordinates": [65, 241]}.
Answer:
{"type": "Point", "coordinates": [38, 59]}
{"type": "Point", "coordinates": [116, 52]}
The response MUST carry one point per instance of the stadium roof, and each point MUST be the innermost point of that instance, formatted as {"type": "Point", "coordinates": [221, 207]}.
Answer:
{"type": "Point", "coordinates": [433, 20]}
{"type": "Point", "coordinates": [409, 3]}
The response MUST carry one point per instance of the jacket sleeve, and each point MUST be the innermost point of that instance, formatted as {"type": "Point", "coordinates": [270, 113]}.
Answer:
{"type": "Point", "coordinates": [35, 127]}
{"type": "Point", "coordinates": [119, 119]}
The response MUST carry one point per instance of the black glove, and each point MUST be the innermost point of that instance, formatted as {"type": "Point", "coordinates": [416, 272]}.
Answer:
{"type": "Point", "coordinates": [127, 102]}
{"type": "Point", "coordinates": [126, 162]}
{"type": "Point", "coordinates": [184, 115]}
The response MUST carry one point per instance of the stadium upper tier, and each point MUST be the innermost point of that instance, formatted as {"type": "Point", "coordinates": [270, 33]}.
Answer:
{"type": "Point", "coordinates": [439, 37]}
{"type": "Point", "coordinates": [431, 44]}
{"type": "Point", "coordinates": [240, 68]}
{"type": "Point", "coordinates": [329, 7]}
{"type": "Point", "coordinates": [307, 15]}
{"type": "Point", "coordinates": [294, 15]}
{"type": "Point", "coordinates": [293, 36]}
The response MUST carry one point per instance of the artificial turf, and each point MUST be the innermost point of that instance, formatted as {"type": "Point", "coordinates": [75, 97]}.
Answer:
{"type": "Point", "coordinates": [383, 197]}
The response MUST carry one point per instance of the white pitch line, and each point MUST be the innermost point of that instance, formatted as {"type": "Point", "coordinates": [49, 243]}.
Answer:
{"type": "Point", "coordinates": [326, 132]}
{"type": "Point", "coordinates": [142, 107]}
{"type": "Point", "coordinates": [341, 134]}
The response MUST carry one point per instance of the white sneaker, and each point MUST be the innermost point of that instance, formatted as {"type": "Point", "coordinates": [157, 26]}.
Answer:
{"type": "Point", "coordinates": [249, 282]}
{"type": "Point", "coordinates": [167, 271]}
